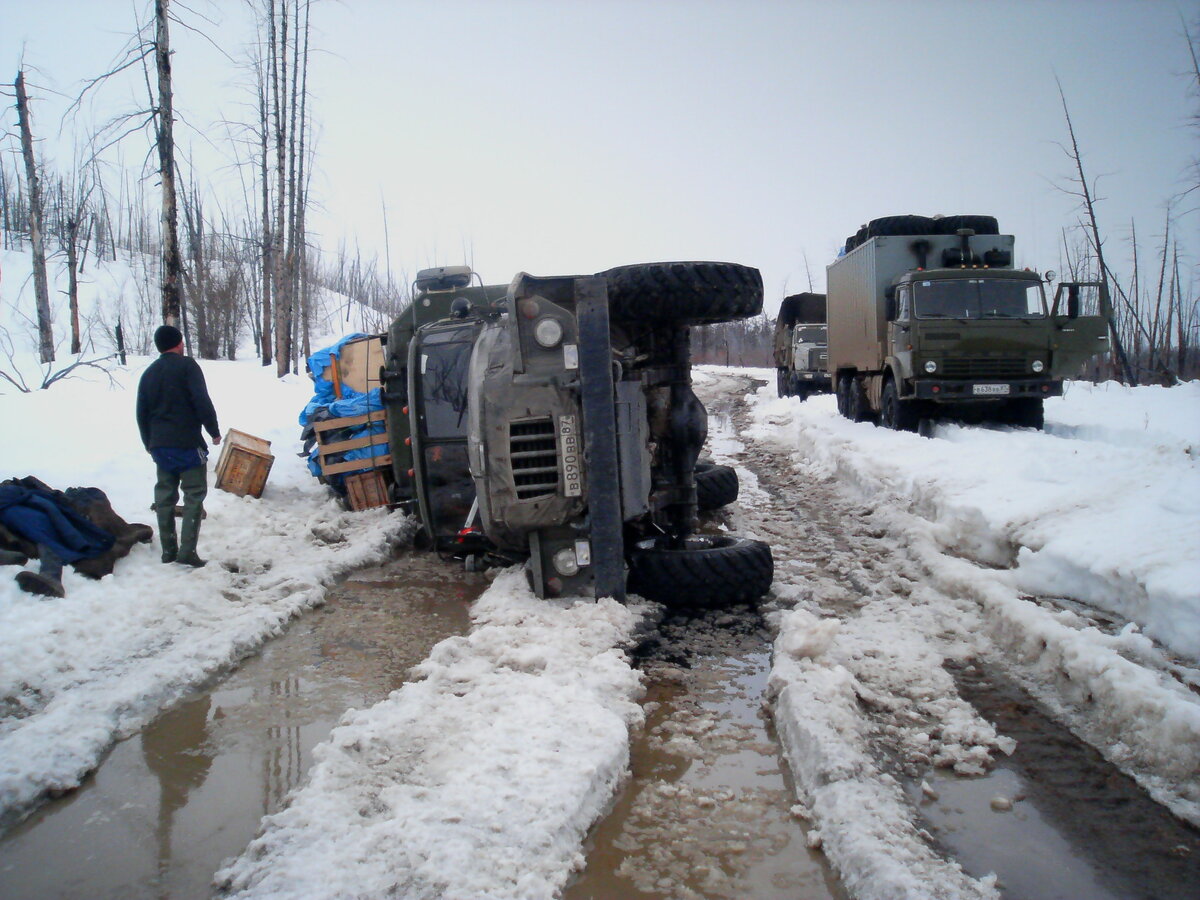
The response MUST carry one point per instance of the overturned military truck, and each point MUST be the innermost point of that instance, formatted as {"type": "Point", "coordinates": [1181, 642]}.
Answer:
{"type": "Point", "coordinates": [553, 420]}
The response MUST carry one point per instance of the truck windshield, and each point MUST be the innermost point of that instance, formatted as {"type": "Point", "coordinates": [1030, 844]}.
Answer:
{"type": "Point", "coordinates": [444, 361]}
{"type": "Point", "coordinates": [810, 334]}
{"type": "Point", "coordinates": [979, 298]}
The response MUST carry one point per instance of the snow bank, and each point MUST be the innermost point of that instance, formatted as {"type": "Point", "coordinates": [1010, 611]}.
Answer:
{"type": "Point", "coordinates": [860, 817]}
{"type": "Point", "coordinates": [480, 780]}
{"type": "Point", "coordinates": [80, 672]}
{"type": "Point", "coordinates": [1097, 517]}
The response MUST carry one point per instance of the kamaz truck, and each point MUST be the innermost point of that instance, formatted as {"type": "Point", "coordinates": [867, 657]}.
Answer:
{"type": "Point", "coordinates": [801, 346]}
{"type": "Point", "coordinates": [552, 421]}
{"type": "Point", "coordinates": [929, 319]}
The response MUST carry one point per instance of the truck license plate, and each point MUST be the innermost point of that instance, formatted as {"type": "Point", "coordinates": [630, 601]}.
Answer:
{"type": "Point", "coordinates": [568, 442]}
{"type": "Point", "coordinates": [991, 389]}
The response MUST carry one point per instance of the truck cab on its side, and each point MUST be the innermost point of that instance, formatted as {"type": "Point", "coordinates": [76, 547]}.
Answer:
{"type": "Point", "coordinates": [556, 424]}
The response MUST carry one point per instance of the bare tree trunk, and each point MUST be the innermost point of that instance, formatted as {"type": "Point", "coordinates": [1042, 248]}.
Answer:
{"type": "Point", "coordinates": [172, 261]}
{"type": "Point", "coordinates": [41, 287]}
{"type": "Point", "coordinates": [279, 91]}
{"type": "Point", "coordinates": [1090, 206]}
{"type": "Point", "coordinates": [72, 244]}
{"type": "Point", "coordinates": [268, 255]}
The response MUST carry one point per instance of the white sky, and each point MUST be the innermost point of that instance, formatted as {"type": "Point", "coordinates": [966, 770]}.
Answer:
{"type": "Point", "coordinates": [566, 137]}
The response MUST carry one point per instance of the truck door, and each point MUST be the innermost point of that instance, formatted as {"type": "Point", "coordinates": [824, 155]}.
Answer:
{"type": "Point", "coordinates": [1079, 336]}
{"type": "Point", "coordinates": [438, 365]}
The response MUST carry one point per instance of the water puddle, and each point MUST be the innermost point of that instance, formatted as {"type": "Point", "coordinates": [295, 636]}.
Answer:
{"type": "Point", "coordinates": [706, 813]}
{"type": "Point", "coordinates": [170, 804]}
{"type": "Point", "coordinates": [1055, 821]}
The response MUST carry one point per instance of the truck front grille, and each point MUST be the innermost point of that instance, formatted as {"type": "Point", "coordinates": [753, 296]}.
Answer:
{"type": "Point", "coordinates": [985, 367]}
{"type": "Point", "coordinates": [533, 450]}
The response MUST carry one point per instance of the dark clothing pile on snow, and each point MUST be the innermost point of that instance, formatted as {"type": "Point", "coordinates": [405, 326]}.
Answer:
{"type": "Point", "coordinates": [78, 526]}
{"type": "Point", "coordinates": [173, 404]}
{"type": "Point", "coordinates": [44, 517]}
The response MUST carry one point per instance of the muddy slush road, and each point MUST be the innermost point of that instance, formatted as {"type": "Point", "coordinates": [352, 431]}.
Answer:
{"type": "Point", "coordinates": [710, 810]}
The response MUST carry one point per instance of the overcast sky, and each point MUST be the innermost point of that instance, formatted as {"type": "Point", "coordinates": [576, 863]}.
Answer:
{"type": "Point", "coordinates": [567, 137]}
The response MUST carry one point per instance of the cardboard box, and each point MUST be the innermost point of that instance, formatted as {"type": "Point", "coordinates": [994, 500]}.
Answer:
{"type": "Point", "coordinates": [366, 490]}
{"type": "Point", "coordinates": [358, 365]}
{"type": "Point", "coordinates": [244, 464]}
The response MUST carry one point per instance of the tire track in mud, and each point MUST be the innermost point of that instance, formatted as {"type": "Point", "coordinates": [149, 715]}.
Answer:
{"type": "Point", "coordinates": [1098, 834]}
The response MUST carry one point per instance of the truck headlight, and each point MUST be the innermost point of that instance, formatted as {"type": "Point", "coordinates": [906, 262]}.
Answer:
{"type": "Point", "coordinates": [565, 562]}
{"type": "Point", "coordinates": [1038, 365]}
{"type": "Point", "coordinates": [930, 366]}
{"type": "Point", "coordinates": [548, 332]}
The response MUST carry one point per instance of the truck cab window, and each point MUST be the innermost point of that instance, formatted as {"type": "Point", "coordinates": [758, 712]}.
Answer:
{"type": "Point", "coordinates": [903, 304]}
{"type": "Point", "coordinates": [979, 298]}
{"type": "Point", "coordinates": [444, 387]}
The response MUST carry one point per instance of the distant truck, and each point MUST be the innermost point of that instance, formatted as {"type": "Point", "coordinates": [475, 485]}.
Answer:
{"type": "Point", "coordinates": [552, 421]}
{"type": "Point", "coordinates": [928, 319]}
{"type": "Point", "coordinates": [801, 346]}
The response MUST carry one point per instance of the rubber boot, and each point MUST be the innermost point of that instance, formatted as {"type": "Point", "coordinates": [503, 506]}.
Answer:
{"type": "Point", "coordinates": [166, 492]}
{"type": "Point", "coordinates": [194, 483]}
{"type": "Point", "coordinates": [166, 533]}
{"type": "Point", "coordinates": [47, 581]}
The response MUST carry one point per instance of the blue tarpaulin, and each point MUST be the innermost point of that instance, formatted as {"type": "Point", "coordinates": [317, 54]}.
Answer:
{"type": "Point", "coordinates": [351, 403]}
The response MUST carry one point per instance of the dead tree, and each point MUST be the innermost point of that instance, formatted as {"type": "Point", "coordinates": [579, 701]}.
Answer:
{"type": "Point", "coordinates": [1086, 198]}
{"type": "Point", "coordinates": [41, 287]}
{"type": "Point", "coordinates": [165, 142]}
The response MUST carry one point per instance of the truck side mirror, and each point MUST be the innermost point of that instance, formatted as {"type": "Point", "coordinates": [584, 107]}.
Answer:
{"type": "Point", "coordinates": [1073, 301]}
{"type": "Point", "coordinates": [889, 309]}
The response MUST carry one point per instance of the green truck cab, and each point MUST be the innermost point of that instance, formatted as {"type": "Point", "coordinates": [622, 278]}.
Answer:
{"type": "Point", "coordinates": [552, 421]}
{"type": "Point", "coordinates": [930, 323]}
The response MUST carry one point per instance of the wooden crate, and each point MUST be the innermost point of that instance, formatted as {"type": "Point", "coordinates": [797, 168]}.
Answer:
{"type": "Point", "coordinates": [366, 490]}
{"type": "Point", "coordinates": [244, 463]}
{"type": "Point", "coordinates": [328, 448]}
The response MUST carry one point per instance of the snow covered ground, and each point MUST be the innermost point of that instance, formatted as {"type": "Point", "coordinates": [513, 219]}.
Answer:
{"type": "Point", "coordinates": [77, 673]}
{"type": "Point", "coordinates": [1098, 517]}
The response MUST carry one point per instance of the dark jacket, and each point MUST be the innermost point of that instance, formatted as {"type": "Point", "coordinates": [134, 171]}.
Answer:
{"type": "Point", "coordinates": [44, 517]}
{"type": "Point", "coordinates": [173, 404]}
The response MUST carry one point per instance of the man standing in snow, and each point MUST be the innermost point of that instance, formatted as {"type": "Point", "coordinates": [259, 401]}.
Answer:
{"type": "Point", "coordinates": [172, 405]}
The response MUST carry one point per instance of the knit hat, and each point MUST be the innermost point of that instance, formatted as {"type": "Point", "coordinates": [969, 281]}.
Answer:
{"type": "Point", "coordinates": [168, 337]}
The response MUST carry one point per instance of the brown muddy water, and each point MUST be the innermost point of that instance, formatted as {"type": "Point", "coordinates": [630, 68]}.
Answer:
{"type": "Point", "coordinates": [1056, 821]}
{"type": "Point", "coordinates": [707, 810]}
{"type": "Point", "coordinates": [169, 805]}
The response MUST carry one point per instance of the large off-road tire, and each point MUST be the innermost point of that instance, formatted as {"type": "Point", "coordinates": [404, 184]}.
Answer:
{"type": "Point", "coordinates": [895, 413]}
{"type": "Point", "coordinates": [857, 407]}
{"type": "Point", "coordinates": [1026, 412]}
{"type": "Point", "coordinates": [783, 381]}
{"type": "Point", "coordinates": [978, 224]}
{"type": "Point", "coordinates": [894, 225]}
{"type": "Point", "coordinates": [709, 570]}
{"type": "Point", "coordinates": [842, 393]}
{"type": "Point", "coordinates": [685, 293]}
{"type": "Point", "coordinates": [716, 486]}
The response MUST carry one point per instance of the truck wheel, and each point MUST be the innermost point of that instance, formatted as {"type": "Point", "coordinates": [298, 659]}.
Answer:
{"type": "Point", "coordinates": [858, 410]}
{"type": "Point", "coordinates": [686, 293]}
{"type": "Point", "coordinates": [716, 486]}
{"type": "Point", "coordinates": [782, 381]}
{"type": "Point", "coordinates": [978, 224]}
{"type": "Point", "coordinates": [842, 393]}
{"type": "Point", "coordinates": [1027, 412]}
{"type": "Point", "coordinates": [708, 570]}
{"type": "Point", "coordinates": [895, 413]}
{"type": "Point", "coordinates": [892, 225]}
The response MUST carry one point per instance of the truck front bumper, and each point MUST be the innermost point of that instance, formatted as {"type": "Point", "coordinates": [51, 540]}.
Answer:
{"type": "Point", "coordinates": [947, 391]}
